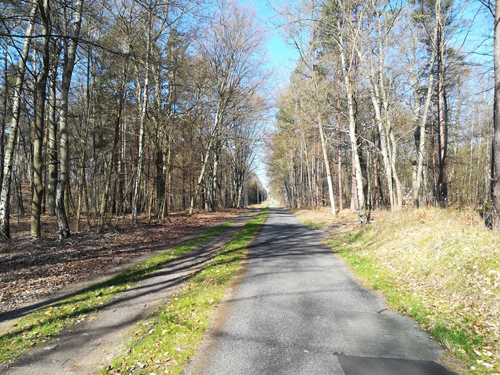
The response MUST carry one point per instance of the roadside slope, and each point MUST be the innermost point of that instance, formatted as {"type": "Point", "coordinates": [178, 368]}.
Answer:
{"type": "Point", "coordinates": [439, 266]}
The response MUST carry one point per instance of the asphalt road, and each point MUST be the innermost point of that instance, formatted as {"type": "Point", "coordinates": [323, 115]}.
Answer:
{"type": "Point", "coordinates": [297, 310]}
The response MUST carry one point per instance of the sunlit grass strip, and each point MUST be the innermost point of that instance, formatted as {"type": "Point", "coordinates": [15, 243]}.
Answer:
{"type": "Point", "coordinates": [453, 335]}
{"type": "Point", "coordinates": [313, 225]}
{"type": "Point", "coordinates": [167, 340]}
{"type": "Point", "coordinates": [40, 326]}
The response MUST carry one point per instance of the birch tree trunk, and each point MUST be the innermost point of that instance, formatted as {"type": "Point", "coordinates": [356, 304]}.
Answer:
{"type": "Point", "coordinates": [392, 141]}
{"type": "Point", "coordinates": [379, 99]}
{"type": "Point", "coordinates": [214, 183]}
{"type": "Point", "coordinates": [339, 161]}
{"type": "Point", "coordinates": [4, 109]}
{"type": "Point", "coordinates": [384, 143]}
{"type": "Point", "coordinates": [423, 121]}
{"type": "Point", "coordinates": [14, 126]}
{"type": "Point", "coordinates": [352, 134]}
{"type": "Point", "coordinates": [140, 157]}
{"type": "Point", "coordinates": [327, 166]}
{"type": "Point", "coordinates": [354, 185]}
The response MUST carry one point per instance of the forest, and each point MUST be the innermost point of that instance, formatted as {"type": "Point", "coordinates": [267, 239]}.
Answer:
{"type": "Point", "coordinates": [125, 108]}
{"type": "Point", "coordinates": [128, 107]}
{"type": "Point", "coordinates": [389, 105]}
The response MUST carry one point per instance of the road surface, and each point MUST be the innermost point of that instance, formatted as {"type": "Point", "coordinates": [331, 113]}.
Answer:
{"type": "Point", "coordinates": [297, 310]}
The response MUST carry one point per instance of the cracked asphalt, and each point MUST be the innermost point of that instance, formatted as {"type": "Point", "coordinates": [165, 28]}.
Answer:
{"type": "Point", "coordinates": [297, 310]}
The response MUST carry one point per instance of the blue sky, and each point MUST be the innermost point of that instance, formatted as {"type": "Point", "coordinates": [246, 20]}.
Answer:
{"type": "Point", "coordinates": [281, 60]}
{"type": "Point", "coordinates": [282, 57]}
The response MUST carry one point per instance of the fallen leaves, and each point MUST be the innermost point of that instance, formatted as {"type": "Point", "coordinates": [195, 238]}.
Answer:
{"type": "Point", "coordinates": [31, 270]}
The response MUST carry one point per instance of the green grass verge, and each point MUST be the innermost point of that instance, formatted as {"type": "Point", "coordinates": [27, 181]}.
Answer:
{"type": "Point", "coordinates": [41, 326]}
{"type": "Point", "coordinates": [456, 338]}
{"type": "Point", "coordinates": [310, 223]}
{"type": "Point", "coordinates": [313, 225]}
{"type": "Point", "coordinates": [166, 340]}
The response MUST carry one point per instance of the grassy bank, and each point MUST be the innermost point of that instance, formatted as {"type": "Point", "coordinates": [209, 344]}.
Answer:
{"type": "Point", "coordinates": [167, 340]}
{"type": "Point", "coordinates": [41, 326]}
{"type": "Point", "coordinates": [441, 267]}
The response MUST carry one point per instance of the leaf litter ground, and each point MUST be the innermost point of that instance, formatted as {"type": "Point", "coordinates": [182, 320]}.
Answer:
{"type": "Point", "coordinates": [31, 270]}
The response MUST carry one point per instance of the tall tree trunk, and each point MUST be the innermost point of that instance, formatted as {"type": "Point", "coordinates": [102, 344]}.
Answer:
{"type": "Point", "coordinates": [375, 95]}
{"type": "Point", "coordinates": [384, 146]}
{"type": "Point", "coordinates": [308, 169]}
{"type": "Point", "coordinates": [374, 156]}
{"type": "Point", "coordinates": [433, 138]}
{"type": "Point", "coordinates": [357, 166]}
{"type": "Point", "coordinates": [140, 157]}
{"type": "Point", "coordinates": [167, 170]}
{"type": "Point", "coordinates": [213, 187]}
{"type": "Point", "coordinates": [204, 163]}
{"type": "Point", "coordinates": [354, 185]}
{"type": "Point", "coordinates": [14, 126]}
{"type": "Point", "coordinates": [393, 155]}
{"type": "Point", "coordinates": [423, 120]}
{"type": "Point", "coordinates": [442, 178]}
{"type": "Point", "coordinates": [339, 161]}
{"type": "Point", "coordinates": [380, 82]}
{"type": "Point", "coordinates": [214, 182]}
{"type": "Point", "coordinates": [158, 142]}
{"type": "Point", "coordinates": [314, 189]}
{"type": "Point", "coordinates": [81, 186]}
{"type": "Point", "coordinates": [160, 176]}
{"type": "Point", "coordinates": [122, 170]}
{"type": "Point", "coordinates": [327, 166]}
{"type": "Point", "coordinates": [116, 139]}
{"type": "Point", "coordinates": [62, 184]}
{"type": "Point", "coordinates": [496, 121]}
{"type": "Point", "coordinates": [53, 160]}
{"type": "Point", "coordinates": [375, 178]}
{"type": "Point", "coordinates": [41, 92]}
{"type": "Point", "coordinates": [4, 109]}
{"type": "Point", "coordinates": [82, 179]}
{"type": "Point", "coordinates": [33, 133]}
{"type": "Point", "coordinates": [353, 137]}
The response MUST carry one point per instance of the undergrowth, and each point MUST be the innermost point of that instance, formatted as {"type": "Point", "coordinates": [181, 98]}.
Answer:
{"type": "Point", "coordinates": [166, 340]}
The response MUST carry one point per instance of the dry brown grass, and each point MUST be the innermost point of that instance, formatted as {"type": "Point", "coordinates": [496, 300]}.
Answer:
{"type": "Point", "coordinates": [452, 253]}
{"type": "Point", "coordinates": [322, 218]}
{"type": "Point", "coordinates": [448, 249]}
